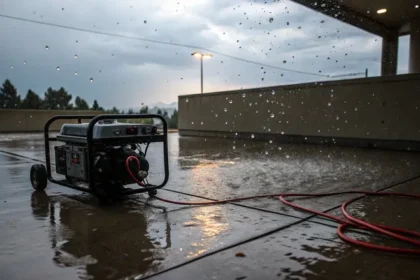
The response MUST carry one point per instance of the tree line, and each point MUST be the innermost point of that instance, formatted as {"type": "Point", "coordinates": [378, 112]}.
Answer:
{"type": "Point", "coordinates": [60, 99]}
{"type": "Point", "coordinates": [54, 99]}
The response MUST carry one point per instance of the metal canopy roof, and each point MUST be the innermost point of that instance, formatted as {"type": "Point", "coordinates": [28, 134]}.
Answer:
{"type": "Point", "coordinates": [363, 13]}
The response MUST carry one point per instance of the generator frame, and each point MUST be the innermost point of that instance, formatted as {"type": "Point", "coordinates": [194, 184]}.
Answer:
{"type": "Point", "coordinates": [90, 142]}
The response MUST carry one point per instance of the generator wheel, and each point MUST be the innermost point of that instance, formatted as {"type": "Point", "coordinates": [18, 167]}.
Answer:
{"type": "Point", "coordinates": [39, 177]}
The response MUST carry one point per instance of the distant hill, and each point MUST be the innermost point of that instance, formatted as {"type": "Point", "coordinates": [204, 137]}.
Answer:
{"type": "Point", "coordinates": [154, 107]}
{"type": "Point", "coordinates": [170, 108]}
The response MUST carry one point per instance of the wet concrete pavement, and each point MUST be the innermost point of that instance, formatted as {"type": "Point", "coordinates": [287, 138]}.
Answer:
{"type": "Point", "coordinates": [67, 234]}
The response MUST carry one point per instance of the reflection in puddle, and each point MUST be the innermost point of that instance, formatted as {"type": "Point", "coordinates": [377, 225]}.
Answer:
{"type": "Point", "coordinates": [211, 225]}
{"type": "Point", "coordinates": [103, 243]}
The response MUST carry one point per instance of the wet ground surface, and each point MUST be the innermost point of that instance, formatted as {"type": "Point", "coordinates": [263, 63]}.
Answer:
{"type": "Point", "coordinates": [66, 234]}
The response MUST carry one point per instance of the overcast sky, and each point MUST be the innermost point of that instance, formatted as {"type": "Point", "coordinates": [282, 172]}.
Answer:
{"type": "Point", "coordinates": [128, 72]}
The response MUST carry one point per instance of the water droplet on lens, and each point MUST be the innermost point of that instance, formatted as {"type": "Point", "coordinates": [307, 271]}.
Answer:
{"type": "Point", "coordinates": [287, 156]}
{"type": "Point", "coordinates": [329, 104]}
{"type": "Point", "coordinates": [243, 95]}
{"type": "Point", "coordinates": [75, 56]}
{"type": "Point", "coordinates": [252, 136]}
{"type": "Point", "coordinates": [201, 123]}
{"type": "Point", "coordinates": [186, 100]}
{"type": "Point", "coordinates": [230, 101]}
{"type": "Point", "coordinates": [47, 48]}
{"type": "Point", "coordinates": [282, 133]}
{"type": "Point", "coordinates": [273, 92]}
{"type": "Point", "coordinates": [91, 80]}
{"type": "Point", "coordinates": [58, 68]}
{"type": "Point", "coordinates": [192, 122]}
{"type": "Point", "coordinates": [11, 66]}
{"type": "Point", "coordinates": [145, 21]}
{"type": "Point", "coordinates": [75, 73]}
{"type": "Point", "coordinates": [225, 109]}
{"type": "Point", "coordinates": [272, 115]}
{"type": "Point", "coordinates": [234, 147]}
{"type": "Point", "coordinates": [271, 141]}
{"type": "Point", "coordinates": [24, 62]}
{"type": "Point", "coordinates": [355, 109]}
{"type": "Point", "coordinates": [266, 152]}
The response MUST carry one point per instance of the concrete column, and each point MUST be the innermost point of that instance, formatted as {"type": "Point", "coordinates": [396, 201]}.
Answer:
{"type": "Point", "coordinates": [414, 58]}
{"type": "Point", "coordinates": [389, 54]}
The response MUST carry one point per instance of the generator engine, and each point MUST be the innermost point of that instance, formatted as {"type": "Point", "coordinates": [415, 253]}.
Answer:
{"type": "Point", "coordinates": [113, 143]}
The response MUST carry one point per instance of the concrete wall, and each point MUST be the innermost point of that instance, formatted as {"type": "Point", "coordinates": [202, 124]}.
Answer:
{"type": "Point", "coordinates": [16, 120]}
{"type": "Point", "coordinates": [381, 109]}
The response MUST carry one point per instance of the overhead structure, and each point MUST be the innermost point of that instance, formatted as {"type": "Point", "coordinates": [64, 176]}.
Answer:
{"type": "Point", "coordinates": [386, 18]}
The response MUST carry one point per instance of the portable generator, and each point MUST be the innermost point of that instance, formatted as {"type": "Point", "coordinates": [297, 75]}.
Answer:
{"type": "Point", "coordinates": [94, 156]}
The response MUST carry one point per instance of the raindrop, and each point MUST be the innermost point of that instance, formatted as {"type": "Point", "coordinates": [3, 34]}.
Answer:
{"type": "Point", "coordinates": [272, 115]}
{"type": "Point", "coordinates": [337, 118]}
{"type": "Point", "coordinates": [243, 95]}
{"type": "Point", "coordinates": [322, 21]}
{"type": "Point", "coordinates": [266, 152]}
{"type": "Point", "coordinates": [287, 156]}
{"type": "Point", "coordinates": [271, 141]}
{"type": "Point", "coordinates": [11, 66]}
{"type": "Point", "coordinates": [186, 100]}
{"type": "Point", "coordinates": [271, 20]}
{"type": "Point", "coordinates": [75, 56]}
{"type": "Point", "coordinates": [282, 133]}
{"type": "Point", "coordinates": [273, 92]}
{"type": "Point", "coordinates": [284, 61]}
{"type": "Point", "coordinates": [145, 21]}
{"type": "Point", "coordinates": [47, 48]}
{"type": "Point", "coordinates": [279, 148]}
{"type": "Point", "coordinates": [75, 73]}
{"type": "Point", "coordinates": [234, 147]}
{"type": "Point", "coordinates": [329, 104]}
{"type": "Point", "coordinates": [230, 101]}
{"type": "Point", "coordinates": [201, 123]}
{"type": "Point", "coordinates": [225, 109]}
{"type": "Point", "coordinates": [24, 62]}
{"type": "Point", "coordinates": [355, 109]}
{"type": "Point", "coordinates": [58, 68]}
{"type": "Point", "coordinates": [252, 136]}
{"type": "Point", "coordinates": [216, 115]}
{"type": "Point", "coordinates": [91, 80]}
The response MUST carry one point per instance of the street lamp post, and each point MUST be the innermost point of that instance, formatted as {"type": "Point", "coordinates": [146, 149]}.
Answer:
{"type": "Point", "coordinates": [201, 56]}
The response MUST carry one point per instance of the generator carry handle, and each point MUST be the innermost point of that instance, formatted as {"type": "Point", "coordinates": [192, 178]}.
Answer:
{"type": "Point", "coordinates": [90, 141]}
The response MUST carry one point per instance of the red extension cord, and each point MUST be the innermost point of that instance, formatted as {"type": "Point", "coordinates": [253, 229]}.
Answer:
{"type": "Point", "coordinates": [395, 233]}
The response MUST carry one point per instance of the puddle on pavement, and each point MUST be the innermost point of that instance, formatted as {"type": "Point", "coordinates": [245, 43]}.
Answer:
{"type": "Point", "coordinates": [69, 235]}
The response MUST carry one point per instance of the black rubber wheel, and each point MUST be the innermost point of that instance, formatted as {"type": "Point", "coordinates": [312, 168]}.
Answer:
{"type": "Point", "coordinates": [152, 193]}
{"type": "Point", "coordinates": [39, 177]}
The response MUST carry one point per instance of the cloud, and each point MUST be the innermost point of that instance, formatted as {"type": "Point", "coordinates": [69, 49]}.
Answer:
{"type": "Point", "coordinates": [128, 72]}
